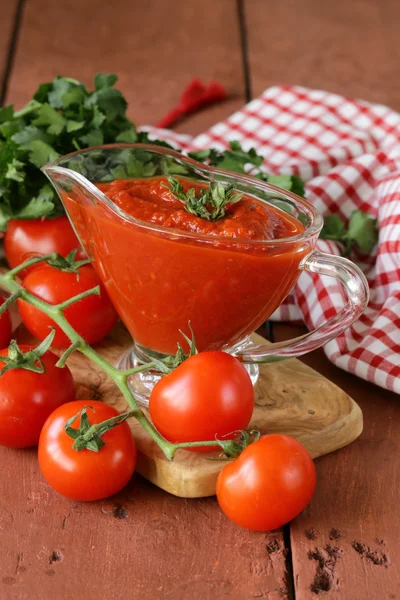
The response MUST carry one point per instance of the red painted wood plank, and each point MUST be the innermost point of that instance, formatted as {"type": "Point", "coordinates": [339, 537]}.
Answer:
{"type": "Point", "coordinates": [143, 543]}
{"type": "Point", "coordinates": [8, 12]}
{"type": "Point", "coordinates": [346, 543]}
{"type": "Point", "coordinates": [155, 47]}
{"type": "Point", "coordinates": [350, 48]}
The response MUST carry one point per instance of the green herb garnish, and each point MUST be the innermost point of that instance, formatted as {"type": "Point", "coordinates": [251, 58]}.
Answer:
{"type": "Point", "coordinates": [215, 197]}
{"type": "Point", "coordinates": [247, 163]}
{"type": "Point", "coordinates": [361, 231]}
{"type": "Point", "coordinates": [63, 116]}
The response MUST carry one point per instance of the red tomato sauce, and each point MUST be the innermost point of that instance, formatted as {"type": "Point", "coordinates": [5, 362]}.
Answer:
{"type": "Point", "coordinates": [151, 201]}
{"type": "Point", "coordinates": [160, 280]}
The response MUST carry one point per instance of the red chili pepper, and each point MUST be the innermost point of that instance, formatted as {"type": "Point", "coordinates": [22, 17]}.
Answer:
{"type": "Point", "coordinates": [194, 97]}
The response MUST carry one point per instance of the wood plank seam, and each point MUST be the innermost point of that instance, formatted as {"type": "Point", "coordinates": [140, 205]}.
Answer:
{"type": "Point", "coordinates": [12, 47]}
{"type": "Point", "coordinates": [244, 49]}
{"type": "Point", "coordinates": [289, 575]}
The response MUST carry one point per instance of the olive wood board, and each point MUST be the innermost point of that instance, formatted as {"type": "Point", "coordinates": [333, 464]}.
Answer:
{"type": "Point", "coordinates": [290, 398]}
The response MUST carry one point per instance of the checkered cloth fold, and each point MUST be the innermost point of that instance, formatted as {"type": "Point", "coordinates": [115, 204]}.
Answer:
{"type": "Point", "coordinates": [348, 152]}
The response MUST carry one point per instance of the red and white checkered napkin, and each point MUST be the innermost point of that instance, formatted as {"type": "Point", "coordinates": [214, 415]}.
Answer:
{"type": "Point", "coordinates": [348, 151]}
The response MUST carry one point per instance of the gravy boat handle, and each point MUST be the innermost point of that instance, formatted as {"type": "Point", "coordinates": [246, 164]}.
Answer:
{"type": "Point", "coordinates": [356, 288]}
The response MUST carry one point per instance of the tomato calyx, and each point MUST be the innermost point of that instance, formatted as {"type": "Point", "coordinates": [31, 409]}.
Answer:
{"type": "Point", "coordinates": [68, 264]}
{"type": "Point", "coordinates": [30, 361]}
{"type": "Point", "coordinates": [170, 363]}
{"type": "Point", "coordinates": [87, 436]}
{"type": "Point", "coordinates": [232, 448]}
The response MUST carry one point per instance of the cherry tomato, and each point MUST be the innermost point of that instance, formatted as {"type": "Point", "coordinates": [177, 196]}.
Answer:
{"type": "Point", "coordinates": [28, 398]}
{"type": "Point", "coordinates": [86, 475]}
{"type": "Point", "coordinates": [270, 483]}
{"type": "Point", "coordinates": [93, 317]}
{"type": "Point", "coordinates": [5, 327]}
{"type": "Point", "coordinates": [24, 239]}
{"type": "Point", "coordinates": [208, 395]}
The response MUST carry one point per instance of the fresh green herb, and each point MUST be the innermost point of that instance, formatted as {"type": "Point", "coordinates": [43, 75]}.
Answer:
{"type": "Point", "coordinates": [362, 231]}
{"type": "Point", "coordinates": [215, 197]}
{"type": "Point", "coordinates": [236, 159]}
{"type": "Point", "coordinates": [63, 116]}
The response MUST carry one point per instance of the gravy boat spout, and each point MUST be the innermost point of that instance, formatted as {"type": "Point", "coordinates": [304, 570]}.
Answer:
{"type": "Point", "coordinates": [162, 278]}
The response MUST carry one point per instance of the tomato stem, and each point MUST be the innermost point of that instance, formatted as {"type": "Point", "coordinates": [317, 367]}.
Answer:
{"type": "Point", "coordinates": [28, 361]}
{"type": "Point", "coordinates": [68, 263]}
{"type": "Point", "coordinates": [8, 302]}
{"type": "Point", "coordinates": [87, 436]}
{"type": "Point", "coordinates": [29, 263]}
{"type": "Point", "coordinates": [63, 305]}
{"type": "Point", "coordinates": [63, 358]}
{"type": "Point", "coordinates": [120, 378]}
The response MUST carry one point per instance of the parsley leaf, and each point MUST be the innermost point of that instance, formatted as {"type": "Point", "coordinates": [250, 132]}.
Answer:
{"type": "Point", "coordinates": [361, 231]}
{"type": "Point", "coordinates": [6, 113]}
{"type": "Point", "coordinates": [43, 202]}
{"type": "Point", "coordinates": [236, 159]}
{"type": "Point", "coordinates": [41, 153]}
{"type": "Point", "coordinates": [102, 81]}
{"type": "Point", "coordinates": [15, 170]}
{"type": "Point", "coordinates": [133, 168]}
{"type": "Point", "coordinates": [62, 116]}
{"type": "Point", "coordinates": [216, 197]}
{"type": "Point", "coordinates": [48, 116]}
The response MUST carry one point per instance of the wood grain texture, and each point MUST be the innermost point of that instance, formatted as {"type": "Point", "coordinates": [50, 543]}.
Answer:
{"type": "Point", "coordinates": [142, 543]}
{"type": "Point", "coordinates": [350, 48]}
{"type": "Point", "coordinates": [346, 543]}
{"type": "Point", "coordinates": [155, 47]}
{"type": "Point", "coordinates": [290, 398]}
{"type": "Point", "coordinates": [8, 11]}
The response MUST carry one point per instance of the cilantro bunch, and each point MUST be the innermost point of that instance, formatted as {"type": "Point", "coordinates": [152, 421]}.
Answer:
{"type": "Point", "coordinates": [63, 116]}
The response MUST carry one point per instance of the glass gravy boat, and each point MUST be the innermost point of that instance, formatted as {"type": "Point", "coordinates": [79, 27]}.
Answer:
{"type": "Point", "coordinates": [161, 279]}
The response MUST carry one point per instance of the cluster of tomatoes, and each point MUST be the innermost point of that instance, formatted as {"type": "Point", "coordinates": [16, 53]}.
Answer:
{"type": "Point", "coordinates": [208, 396]}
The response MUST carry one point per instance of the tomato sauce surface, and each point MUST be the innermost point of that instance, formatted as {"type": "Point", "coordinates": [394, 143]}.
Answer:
{"type": "Point", "coordinates": [151, 201]}
{"type": "Point", "coordinates": [223, 284]}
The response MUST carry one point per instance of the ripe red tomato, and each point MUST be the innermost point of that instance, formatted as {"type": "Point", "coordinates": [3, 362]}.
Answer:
{"type": "Point", "coordinates": [23, 239]}
{"type": "Point", "coordinates": [5, 327]}
{"type": "Point", "coordinates": [28, 398]}
{"type": "Point", "coordinates": [86, 475]}
{"type": "Point", "coordinates": [93, 317]}
{"type": "Point", "coordinates": [208, 395]}
{"type": "Point", "coordinates": [270, 483]}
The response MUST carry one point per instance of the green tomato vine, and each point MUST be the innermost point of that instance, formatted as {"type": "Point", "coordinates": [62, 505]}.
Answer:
{"type": "Point", "coordinates": [8, 282]}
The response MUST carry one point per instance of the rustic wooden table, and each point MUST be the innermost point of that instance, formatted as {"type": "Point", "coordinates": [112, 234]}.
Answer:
{"type": "Point", "coordinates": [144, 543]}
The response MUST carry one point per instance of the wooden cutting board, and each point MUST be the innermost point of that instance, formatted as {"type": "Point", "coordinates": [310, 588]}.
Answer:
{"type": "Point", "coordinates": [291, 398]}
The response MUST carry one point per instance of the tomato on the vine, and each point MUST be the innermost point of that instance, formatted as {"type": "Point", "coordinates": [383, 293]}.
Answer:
{"type": "Point", "coordinates": [5, 327]}
{"type": "Point", "coordinates": [24, 239]}
{"type": "Point", "coordinates": [210, 394]}
{"type": "Point", "coordinates": [93, 317]}
{"type": "Point", "coordinates": [28, 398]}
{"type": "Point", "coordinates": [86, 475]}
{"type": "Point", "coordinates": [270, 483]}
